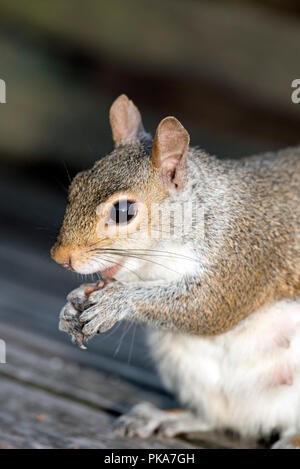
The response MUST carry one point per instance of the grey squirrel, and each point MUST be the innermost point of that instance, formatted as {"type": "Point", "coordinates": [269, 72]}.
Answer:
{"type": "Point", "coordinates": [223, 299]}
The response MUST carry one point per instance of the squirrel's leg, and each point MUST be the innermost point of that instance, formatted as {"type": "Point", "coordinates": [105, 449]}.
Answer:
{"type": "Point", "coordinates": [202, 306]}
{"type": "Point", "coordinates": [145, 419]}
{"type": "Point", "coordinates": [188, 306]}
{"type": "Point", "coordinates": [290, 441]}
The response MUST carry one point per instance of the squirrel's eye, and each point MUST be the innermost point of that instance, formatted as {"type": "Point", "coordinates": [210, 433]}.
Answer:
{"type": "Point", "coordinates": [122, 212]}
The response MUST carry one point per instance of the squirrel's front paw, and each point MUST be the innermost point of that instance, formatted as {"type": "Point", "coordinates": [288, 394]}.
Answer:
{"type": "Point", "coordinates": [102, 310]}
{"type": "Point", "coordinates": [69, 323]}
{"type": "Point", "coordinates": [70, 313]}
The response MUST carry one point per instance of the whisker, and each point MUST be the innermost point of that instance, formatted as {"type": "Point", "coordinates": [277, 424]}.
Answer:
{"type": "Point", "coordinates": [122, 339]}
{"type": "Point", "coordinates": [112, 331]}
{"type": "Point", "coordinates": [174, 254]}
{"type": "Point", "coordinates": [146, 252]}
{"type": "Point", "coordinates": [125, 253]}
{"type": "Point", "coordinates": [67, 171]}
{"type": "Point", "coordinates": [117, 263]}
{"type": "Point", "coordinates": [142, 259]}
{"type": "Point", "coordinates": [132, 343]}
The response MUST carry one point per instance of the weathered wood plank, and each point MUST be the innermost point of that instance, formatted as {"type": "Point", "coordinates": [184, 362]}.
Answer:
{"type": "Point", "coordinates": [41, 362]}
{"type": "Point", "coordinates": [31, 418]}
{"type": "Point", "coordinates": [222, 439]}
{"type": "Point", "coordinates": [25, 307]}
{"type": "Point", "coordinates": [44, 397]}
{"type": "Point", "coordinates": [37, 363]}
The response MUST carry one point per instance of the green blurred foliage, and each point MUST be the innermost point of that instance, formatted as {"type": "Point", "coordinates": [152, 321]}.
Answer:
{"type": "Point", "coordinates": [56, 107]}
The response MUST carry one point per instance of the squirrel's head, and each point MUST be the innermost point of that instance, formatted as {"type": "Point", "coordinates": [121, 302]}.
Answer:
{"type": "Point", "coordinates": [110, 206]}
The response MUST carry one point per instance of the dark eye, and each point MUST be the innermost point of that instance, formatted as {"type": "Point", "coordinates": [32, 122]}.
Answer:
{"type": "Point", "coordinates": [123, 212]}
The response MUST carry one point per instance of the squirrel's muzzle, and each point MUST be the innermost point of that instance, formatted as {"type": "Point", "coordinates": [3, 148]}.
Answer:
{"type": "Point", "coordinates": [63, 256]}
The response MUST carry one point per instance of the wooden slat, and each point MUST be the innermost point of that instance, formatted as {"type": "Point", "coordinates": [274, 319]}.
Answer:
{"type": "Point", "coordinates": [48, 401]}
{"type": "Point", "coordinates": [41, 362]}
{"type": "Point", "coordinates": [35, 363]}
{"type": "Point", "coordinates": [32, 418]}
{"type": "Point", "coordinates": [37, 313]}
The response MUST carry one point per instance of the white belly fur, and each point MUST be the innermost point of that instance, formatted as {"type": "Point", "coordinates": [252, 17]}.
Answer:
{"type": "Point", "coordinates": [247, 379]}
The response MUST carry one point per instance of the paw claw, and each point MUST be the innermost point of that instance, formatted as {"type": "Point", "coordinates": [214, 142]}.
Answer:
{"type": "Point", "coordinates": [88, 315]}
{"type": "Point", "coordinates": [167, 430]}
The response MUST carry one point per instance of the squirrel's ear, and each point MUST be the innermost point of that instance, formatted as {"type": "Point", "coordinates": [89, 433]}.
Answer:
{"type": "Point", "coordinates": [169, 152]}
{"type": "Point", "coordinates": [125, 120]}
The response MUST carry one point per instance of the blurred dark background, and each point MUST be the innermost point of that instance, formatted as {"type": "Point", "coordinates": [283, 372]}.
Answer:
{"type": "Point", "coordinates": [224, 68]}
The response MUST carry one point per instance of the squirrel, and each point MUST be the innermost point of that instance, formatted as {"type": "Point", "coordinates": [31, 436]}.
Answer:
{"type": "Point", "coordinates": [221, 291]}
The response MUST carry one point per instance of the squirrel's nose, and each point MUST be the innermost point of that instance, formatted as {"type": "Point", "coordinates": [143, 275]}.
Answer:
{"type": "Point", "coordinates": [62, 256]}
{"type": "Point", "coordinates": [68, 265]}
